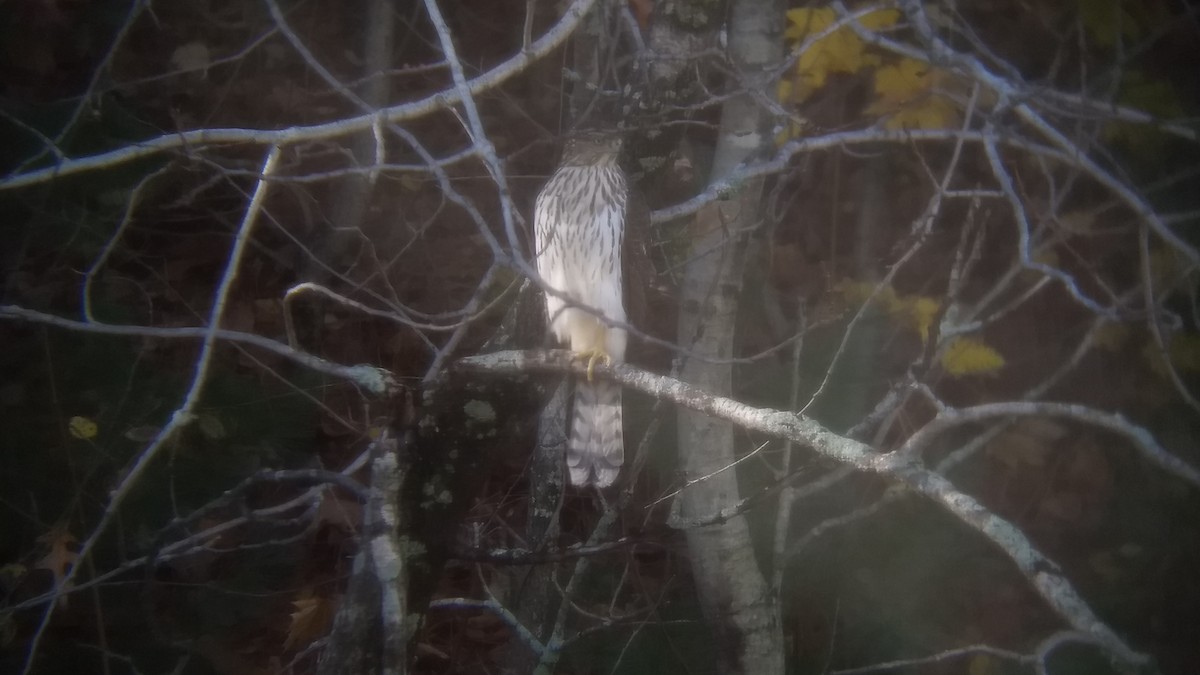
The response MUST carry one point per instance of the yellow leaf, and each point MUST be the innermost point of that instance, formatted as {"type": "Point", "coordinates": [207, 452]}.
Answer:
{"type": "Point", "coordinates": [82, 428]}
{"type": "Point", "coordinates": [921, 313]}
{"type": "Point", "coordinates": [802, 22]}
{"type": "Point", "coordinates": [902, 82]}
{"type": "Point", "coordinates": [852, 291]}
{"type": "Point", "coordinates": [784, 91]}
{"type": "Point", "coordinates": [880, 18]}
{"type": "Point", "coordinates": [933, 112]}
{"type": "Point", "coordinates": [841, 51]}
{"type": "Point", "coordinates": [10, 575]}
{"type": "Point", "coordinates": [912, 311]}
{"type": "Point", "coordinates": [787, 92]}
{"type": "Point", "coordinates": [857, 292]}
{"type": "Point", "coordinates": [968, 356]}
{"type": "Point", "coordinates": [311, 618]}
{"type": "Point", "coordinates": [905, 94]}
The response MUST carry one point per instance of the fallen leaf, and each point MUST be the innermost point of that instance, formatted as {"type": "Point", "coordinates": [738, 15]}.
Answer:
{"type": "Point", "coordinates": [311, 618]}
{"type": "Point", "coordinates": [11, 575]}
{"type": "Point", "coordinates": [82, 428]}
{"type": "Point", "coordinates": [60, 558]}
{"type": "Point", "coordinates": [212, 427]}
{"type": "Point", "coordinates": [191, 56]}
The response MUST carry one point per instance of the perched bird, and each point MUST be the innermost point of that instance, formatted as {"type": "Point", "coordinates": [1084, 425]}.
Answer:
{"type": "Point", "coordinates": [579, 227]}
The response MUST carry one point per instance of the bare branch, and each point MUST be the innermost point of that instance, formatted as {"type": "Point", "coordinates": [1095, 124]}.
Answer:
{"type": "Point", "coordinates": [184, 415]}
{"type": "Point", "coordinates": [558, 33]}
{"type": "Point", "coordinates": [1042, 573]}
{"type": "Point", "coordinates": [371, 378]}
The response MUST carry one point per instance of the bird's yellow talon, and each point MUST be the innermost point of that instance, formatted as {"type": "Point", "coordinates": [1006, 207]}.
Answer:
{"type": "Point", "coordinates": [592, 357]}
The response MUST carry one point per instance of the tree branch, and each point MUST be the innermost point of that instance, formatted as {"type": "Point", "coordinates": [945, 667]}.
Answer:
{"type": "Point", "coordinates": [375, 380]}
{"type": "Point", "coordinates": [515, 65]}
{"type": "Point", "coordinates": [1045, 576]}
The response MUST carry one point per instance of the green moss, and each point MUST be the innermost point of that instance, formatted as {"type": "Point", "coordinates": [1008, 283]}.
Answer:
{"type": "Point", "coordinates": [480, 411]}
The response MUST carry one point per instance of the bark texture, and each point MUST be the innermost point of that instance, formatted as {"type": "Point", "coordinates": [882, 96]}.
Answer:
{"type": "Point", "coordinates": [369, 635]}
{"type": "Point", "coordinates": [735, 596]}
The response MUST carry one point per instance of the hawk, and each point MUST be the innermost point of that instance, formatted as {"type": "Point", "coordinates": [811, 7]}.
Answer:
{"type": "Point", "coordinates": [579, 228]}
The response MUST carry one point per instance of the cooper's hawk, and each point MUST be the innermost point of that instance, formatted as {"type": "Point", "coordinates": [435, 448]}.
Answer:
{"type": "Point", "coordinates": [579, 223]}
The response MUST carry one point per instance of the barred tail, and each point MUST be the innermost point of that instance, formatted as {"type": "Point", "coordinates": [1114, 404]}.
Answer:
{"type": "Point", "coordinates": [597, 446]}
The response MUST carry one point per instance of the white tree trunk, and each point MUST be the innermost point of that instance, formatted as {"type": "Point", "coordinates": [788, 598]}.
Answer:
{"type": "Point", "coordinates": [735, 595]}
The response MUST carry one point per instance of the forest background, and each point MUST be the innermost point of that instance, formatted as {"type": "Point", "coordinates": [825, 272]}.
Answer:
{"type": "Point", "coordinates": [912, 384]}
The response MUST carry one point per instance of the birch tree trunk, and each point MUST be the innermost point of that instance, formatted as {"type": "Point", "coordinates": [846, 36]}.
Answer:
{"type": "Point", "coordinates": [734, 594]}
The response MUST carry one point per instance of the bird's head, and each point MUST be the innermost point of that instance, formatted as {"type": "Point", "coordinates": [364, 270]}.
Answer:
{"type": "Point", "coordinates": [592, 148]}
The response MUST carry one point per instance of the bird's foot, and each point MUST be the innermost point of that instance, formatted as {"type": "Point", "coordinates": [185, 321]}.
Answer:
{"type": "Point", "coordinates": [592, 356]}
